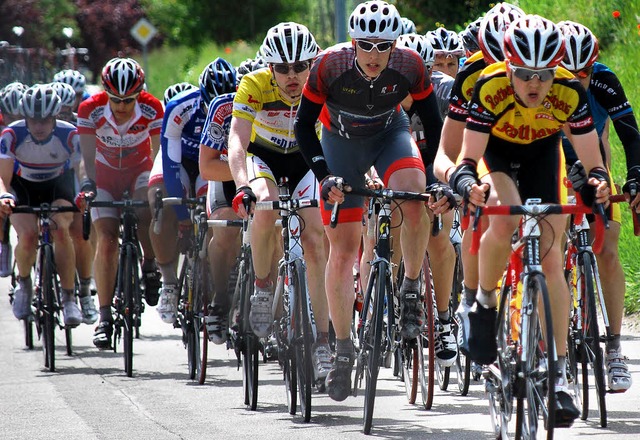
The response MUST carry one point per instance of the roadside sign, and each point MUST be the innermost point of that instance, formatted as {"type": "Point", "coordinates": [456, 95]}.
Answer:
{"type": "Point", "coordinates": [143, 31]}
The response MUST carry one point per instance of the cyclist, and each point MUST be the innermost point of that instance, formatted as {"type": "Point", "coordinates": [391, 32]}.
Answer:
{"type": "Point", "coordinates": [67, 101]}
{"type": "Point", "coordinates": [449, 50]}
{"type": "Point", "coordinates": [37, 156]}
{"type": "Point", "coordinates": [76, 80]}
{"type": "Point", "coordinates": [469, 37]}
{"type": "Point", "coordinates": [10, 111]}
{"type": "Point", "coordinates": [214, 166]}
{"type": "Point", "coordinates": [608, 103]}
{"type": "Point", "coordinates": [356, 89]}
{"type": "Point", "coordinates": [175, 89]}
{"type": "Point", "coordinates": [262, 149]}
{"type": "Point", "coordinates": [176, 173]}
{"type": "Point", "coordinates": [516, 115]}
{"type": "Point", "coordinates": [443, 266]}
{"type": "Point", "coordinates": [490, 38]}
{"type": "Point", "coordinates": [119, 132]}
{"type": "Point", "coordinates": [408, 26]}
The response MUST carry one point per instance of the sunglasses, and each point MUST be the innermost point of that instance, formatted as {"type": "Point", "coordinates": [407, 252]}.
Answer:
{"type": "Point", "coordinates": [584, 73]}
{"type": "Point", "coordinates": [368, 46]}
{"type": "Point", "coordinates": [526, 74]}
{"type": "Point", "coordinates": [298, 67]}
{"type": "Point", "coordinates": [117, 100]}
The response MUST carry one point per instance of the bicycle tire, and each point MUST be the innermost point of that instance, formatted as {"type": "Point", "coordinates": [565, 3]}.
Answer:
{"type": "Point", "coordinates": [191, 334]}
{"type": "Point", "coordinates": [574, 365]}
{"type": "Point", "coordinates": [303, 337]}
{"type": "Point", "coordinates": [128, 287]}
{"type": "Point", "coordinates": [463, 365]}
{"type": "Point", "coordinates": [373, 343]}
{"type": "Point", "coordinates": [203, 282]}
{"type": "Point", "coordinates": [426, 373]}
{"type": "Point", "coordinates": [592, 350]}
{"type": "Point", "coordinates": [28, 332]}
{"type": "Point", "coordinates": [47, 278]}
{"type": "Point", "coordinates": [532, 400]}
{"type": "Point", "coordinates": [250, 343]}
{"type": "Point", "coordinates": [411, 365]}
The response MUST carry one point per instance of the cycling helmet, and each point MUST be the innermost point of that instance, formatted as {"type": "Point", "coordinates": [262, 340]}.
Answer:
{"type": "Point", "coordinates": [40, 102]}
{"type": "Point", "coordinates": [505, 8]}
{"type": "Point", "coordinates": [217, 78]}
{"type": "Point", "coordinates": [287, 43]}
{"type": "Point", "coordinates": [72, 77]}
{"type": "Point", "coordinates": [491, 32]}
{"type": "Point", "coordinates": [469, 36]}
{"type": "Point", "coordinates": [122, 77]}
{"type": "Point", "coordinates": [10, 98]}
{"type": "Point", "coordinates": [375, 19]}
{"type": "Point", "coordinates": [447, 42]}
{"type": "Point", "coordinates": [174, 89]}
{"type": "Point", "coordinates": [533, 41]}
{"type": "Point", "coordinates": [581, 46]}
{"type": "Point", "coordinates": [408, 26]}
{"type": "Point", "coordinates": [420, 44]}
{"type": "Point", "coordinates": [66, 93]}
{"type": "Point", "coordinates": [249, 65]}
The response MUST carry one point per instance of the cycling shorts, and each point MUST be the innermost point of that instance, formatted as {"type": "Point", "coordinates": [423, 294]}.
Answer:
{"type": "Point", "coordinates": [220, 195]}
{"type": "Point", "coordinates": [190, 178]}
{"type": "Point", "coordinates": [33, 194]}
{"type": "Point", "coordinates": [388, 151]}
{"type": "Point", "coordinates": [112, 183]}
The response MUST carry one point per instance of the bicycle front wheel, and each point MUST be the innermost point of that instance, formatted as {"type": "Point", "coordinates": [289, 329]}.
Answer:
{"type": "Point", "coordinates": [249, 342]}
{"type": "Point", "coordinates": [47, 278]}
{"type": "Point", "coordinates": [426, 372]}
{"type": "Point", "coordinates": [303, 338]}
{"type": "Point", "coordinates": [128, 284]}
{"type": "Point", "coordinates": [463, 365]}
{"type": "Point", "coordinates": [201, 295]}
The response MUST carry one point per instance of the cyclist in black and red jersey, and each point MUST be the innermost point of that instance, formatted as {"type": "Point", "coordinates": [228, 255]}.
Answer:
{"type": "Point", "coordinates": [356, 89]}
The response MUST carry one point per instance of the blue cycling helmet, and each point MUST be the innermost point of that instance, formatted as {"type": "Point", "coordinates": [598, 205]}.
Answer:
{"type": "Point", "coordinates": [218, 78]}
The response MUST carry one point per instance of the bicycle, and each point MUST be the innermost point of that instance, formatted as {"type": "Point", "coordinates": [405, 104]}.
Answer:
{"type": "Point", "coordinates": [127, 299]}
{"type": "Point", "coordinates": [47, 290]}
{"type": "Point", "coordinates": [295, 329]}
{"type": "Point", "coordinates": [526, 364]}
{"type": "Point", "coordinates": [589, 323]}
{"type": "Point", "coordinates": [378, 295]}
{"type": "Point", "coordinates": [193, 283]}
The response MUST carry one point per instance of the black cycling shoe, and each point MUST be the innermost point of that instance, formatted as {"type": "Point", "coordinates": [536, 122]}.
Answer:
{"type": "Point", "coordinates": [102, 336]}
{"type": "Point", "coordinates": [566, 410]}
{"type": "Point", "coordinates": [338, 381]}
{"type": "Point", "coordinates": [152, 285]}
{"type": "Point", "coordinates": [483, 347]}
{"type": "Point", "coordinates": [411, 314]}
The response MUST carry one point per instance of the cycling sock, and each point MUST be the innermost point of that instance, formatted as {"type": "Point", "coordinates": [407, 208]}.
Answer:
{"type": "Point", "coordinates": [487, 298]}
{"type": "Point", "coordinates": [411, 285]}
{"type": "Point", "coordinates": [561, 366]}
{"type": "Point", "coordinates": [149, 264]}
{"type": "Point", "coordinates": [613, 343]}
{"type": "Point", "coordinates": [85, 287]}
{"type": "Point", "coordinates": [25, 282]}
{"type": "Point", "coordinates": [168, 272]}
{"type": "Point", "coordinates": [105, 314]}
{"type": "Point", "coordinates": [444, 316]}
{"type": "Point", "coordinates": [344, 346]}
{"type": "Point", "coordinates": [263, 282]}
{"type": "Point", "coordinates": [68, 295]}
{"type": "Point", "coordinates": [323, 338]}
{"type": "Point", "coordinates": [469, 294]}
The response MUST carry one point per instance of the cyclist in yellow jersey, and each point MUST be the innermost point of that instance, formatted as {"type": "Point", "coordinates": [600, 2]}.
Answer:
{"type": "Point", "coordinates": [262, 149]}
{"type": "Point", "coordinates": [511, 152]}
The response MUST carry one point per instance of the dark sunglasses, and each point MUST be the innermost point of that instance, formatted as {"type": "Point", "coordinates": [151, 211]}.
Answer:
{"type": "Point", "coordinates": [368, 46]}
{"type": "Point", "coordinates": [526, 74]}
{"type": "Point", "coordinates": [285, 68]}
{"type": "Point", "coordinates": [584, 73]}
{"type": "Point", "coordinates": [117, 100]}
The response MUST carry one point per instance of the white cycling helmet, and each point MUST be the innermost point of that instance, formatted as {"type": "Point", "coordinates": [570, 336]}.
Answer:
{"type": "Point", "coordinates": [375, 19]}
{"type": "Point", "coordinates": [122, 77]}
{"type": "Point", "coordinates": [10, 98]}
{"type": "Point", "coordinates": [72, 77]}
{"type": "Point", "coordinates": [581, 46]}
{"type": "Point", "coordinates": [287, 43]}
{"type": "Point", "coordinates": [533, 41]}
{"type": "Point", "coordinates": [491, 32]}
{"type": "Point", "coordinates": [505, 8]}
{"type": "Point", "coordinates": [420, 44]}
{"type": "Point", "coordinates": [408, 26]}
{"type": "Point", "coordinates": [175, 89]}
{"type": "Point", "coordinates": [66, 93]}
{"type": "Point", "coordinates": [39, 102]}
{"type": "Point", "coordinates": [445, 42]}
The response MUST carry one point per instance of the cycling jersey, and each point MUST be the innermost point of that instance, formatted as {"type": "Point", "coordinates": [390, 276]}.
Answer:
{"type": "Point", "coordinates": [40, 161]}
{"type": "Point", "coordinates": [259, 101]}
{"type": "Point", "coordinates": [463, 85]}
{"type": "Point", "coordinates": [216, 127]}
{"type": "Point", "coordinates": [182, 126]}
{"type": "Point", "coordinates": [125, 146]}
{"type": "Point", "coordinates": [442, 84]}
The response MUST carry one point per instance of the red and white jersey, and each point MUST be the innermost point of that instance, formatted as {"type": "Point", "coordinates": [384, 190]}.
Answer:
{"type": "Point", "coordinates": [126, 145]}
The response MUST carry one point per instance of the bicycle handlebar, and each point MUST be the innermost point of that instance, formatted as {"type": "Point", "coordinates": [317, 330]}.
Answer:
{"type": "Point", "coordinates": [287, 205]}
{"type": "Point", "coordinates": [44, 208]}
{"type": "Point", "coordinates": [160, 202]}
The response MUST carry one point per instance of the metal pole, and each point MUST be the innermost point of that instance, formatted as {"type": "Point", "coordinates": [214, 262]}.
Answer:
{"type": "Point", "coordinates": [340, 21]}
{"type": "Point", "coordinates": [145, 61]}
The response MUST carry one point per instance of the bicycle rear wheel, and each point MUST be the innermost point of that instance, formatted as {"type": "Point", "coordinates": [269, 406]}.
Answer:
{"type": "Point", "coordinates": [28, 332]}
{"type": "Point", "coordinates": [426, 341]}
{"type": "Point", "coordinates": [538, 362]}
{"type": "Point", "coordinates": [202, 292]}
{"type": "Point", "coordinates": [128, 284]}
{"type": "Point", "coordinates": [372, 344]}
{"type": "Point", "coordinates": [49, 307]}
{"type": "Point", "coordinates": [463, 365]}
{"type": "Point", "coordinates": [303, 338]}
{"type": "Point", "coordinates": [592, 350]}
{"type": "Point", "coordinates": [411, 365]}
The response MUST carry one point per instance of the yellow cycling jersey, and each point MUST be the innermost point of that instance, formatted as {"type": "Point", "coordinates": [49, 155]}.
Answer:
{"type": "Point", "coordinates": [495, 109]}
{"type": "Point", "coordinates": [259, 101]}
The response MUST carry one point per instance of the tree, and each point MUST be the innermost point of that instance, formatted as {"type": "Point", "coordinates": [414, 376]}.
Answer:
{"type": "Point", "coordinates": [429, 14]}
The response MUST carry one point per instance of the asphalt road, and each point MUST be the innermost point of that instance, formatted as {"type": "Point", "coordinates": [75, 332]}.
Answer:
{"type": "Point", "coordinates": [90, 397]}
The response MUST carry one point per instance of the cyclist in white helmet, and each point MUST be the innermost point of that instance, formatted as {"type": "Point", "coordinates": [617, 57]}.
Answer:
{"type": "Point", "coordinates": [408, 26]}
{"type": "Point", "coordinates": [76, 80]}
{"type": "Point", "coordinates": [175, 89]}
{"type": "Point", "coordinates": [449, 50]}
{"type": "Point", "coordinates": [262, 149]}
